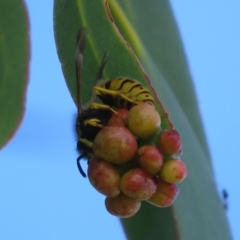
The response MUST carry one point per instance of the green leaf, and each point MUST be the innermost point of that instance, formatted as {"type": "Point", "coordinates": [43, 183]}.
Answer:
{"type": "Point", "coordinates": [14, 60]}
{"type": "Point", "coordinates": [198, 212]}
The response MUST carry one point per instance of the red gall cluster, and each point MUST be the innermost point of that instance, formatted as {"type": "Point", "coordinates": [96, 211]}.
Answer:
{"type": "Point", "coordinates": [127, 173]}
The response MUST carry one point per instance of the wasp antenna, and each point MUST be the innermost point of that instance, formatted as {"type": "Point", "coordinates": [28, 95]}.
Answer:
{"type": "Point", "coordinates": [79, 165]}
{"type": "Point", "coordinates": [81, 43]}
{"type": "Point", "coordinates": [100, 70]}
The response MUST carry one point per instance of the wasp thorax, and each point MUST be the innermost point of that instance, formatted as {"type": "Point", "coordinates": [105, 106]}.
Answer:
{"type": "Point", "coordinates": [115, 144]}
{"type": "Point", "coordinates": [122, 206]}
{"type": "Point", "coordinates": [104, 177]}
{"type": "Point", "coordinates": [143, 120]}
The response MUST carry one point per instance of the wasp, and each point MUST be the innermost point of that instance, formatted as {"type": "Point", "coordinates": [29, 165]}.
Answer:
{"type": "Point", "coordinates": [116, 93]}
{"type": "Point", "coordinates": [120, 92]}
{"type": "Point", "coordinates": [90, 120]}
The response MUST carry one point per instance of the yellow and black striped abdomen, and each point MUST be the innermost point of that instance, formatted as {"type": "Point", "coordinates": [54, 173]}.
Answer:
{"type": "Point", "coordinates": [123, 93]}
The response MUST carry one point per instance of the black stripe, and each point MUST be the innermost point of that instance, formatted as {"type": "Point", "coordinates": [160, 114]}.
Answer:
{"type": "Point", "coordinates": [144, 92]}
{"type": "Point", "coordinates": [136, 86]}
{"type": "Point", "coordinates": [107, 84]}
{"type": "Point", "coordinates": [125, 81]}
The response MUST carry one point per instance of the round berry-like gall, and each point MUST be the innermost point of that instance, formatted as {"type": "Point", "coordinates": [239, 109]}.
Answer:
{"type": "Point", "coordinates": [143, 120]}
{"type": "Point", "coordinates": [138, 184]}
{"type": "Point", "coordinates": [165, 194]}
{"type": "Point", "coordinates": [104, 177]}
{"type": "Point", "coordinates": [115, 144]}
{"type": "Point", "coordinates": [122, 206]}
{"type": "Point", "coordinates": [173, 171]}
{"type": "Point", "coordinates": [119, 118]}
{"type": "Point", "coordinates": [150, 159]}
{"type": "Point", "coordinates": [169, 142]}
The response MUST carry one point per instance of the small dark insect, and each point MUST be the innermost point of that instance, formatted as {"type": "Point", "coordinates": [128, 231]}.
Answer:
{"type": "Point", "coordinates": [225, 196]}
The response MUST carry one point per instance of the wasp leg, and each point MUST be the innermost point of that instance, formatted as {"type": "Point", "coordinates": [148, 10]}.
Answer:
{"type": "Point", "coordinates": [100, 70]}
{"type": "Point", "coordinates": [99, 73]}
{"type": "Point", "coordinates": [93, 122]}
{"type": "Point", "coordinates": [102, 106]}
{"type": "Point", "coordinates": [79, 165]}
{"type": "Point", "coordinates": [86, 142]}
{"type": "Point", "coordinates": [98, 90]}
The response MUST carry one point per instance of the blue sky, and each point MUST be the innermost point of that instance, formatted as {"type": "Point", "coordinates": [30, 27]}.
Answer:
{"type": "Point", "coordinates": [42, 194]}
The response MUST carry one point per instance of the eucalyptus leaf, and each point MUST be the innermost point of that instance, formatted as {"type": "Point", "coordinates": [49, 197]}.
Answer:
{"type": "Point", "coordinates": [151, 30]}
{"type": "Point", "coordinates": [14, 63]}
